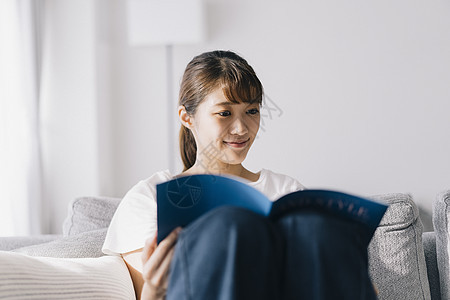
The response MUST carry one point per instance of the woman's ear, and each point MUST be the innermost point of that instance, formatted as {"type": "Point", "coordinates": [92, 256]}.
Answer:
{"type": "Point", "coordinates": [184, 117]}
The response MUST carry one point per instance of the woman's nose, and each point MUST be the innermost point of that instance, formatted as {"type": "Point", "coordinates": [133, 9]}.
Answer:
{"type": "Point", "coordinates": [238, 127]}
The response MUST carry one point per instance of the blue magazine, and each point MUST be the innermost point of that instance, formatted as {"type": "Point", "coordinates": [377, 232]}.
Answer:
{"type": "Point", "coordinates": [182, 200]}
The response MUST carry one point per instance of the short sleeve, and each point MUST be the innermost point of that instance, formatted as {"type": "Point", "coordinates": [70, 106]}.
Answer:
{"type": "Point", "coordinates": [289, 185]}
{"type": "Point", "coordinates": [135, 219]}
{"type": "Point", "coordinates": [296, 186]}
{"type": "Point", "coordinates": [275, 185]}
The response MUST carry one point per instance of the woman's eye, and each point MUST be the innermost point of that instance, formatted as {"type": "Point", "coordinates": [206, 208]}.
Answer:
{"type": "Point", "coordinates": [224, 113]}
{"type": "Point", "coordinates": [253, 111]}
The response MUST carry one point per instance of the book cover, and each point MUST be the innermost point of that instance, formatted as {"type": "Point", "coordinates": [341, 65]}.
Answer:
{"type": "Point", "coordinates": [182, 200]}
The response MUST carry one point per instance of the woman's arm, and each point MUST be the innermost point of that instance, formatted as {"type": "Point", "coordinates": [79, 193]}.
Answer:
{"type": "Point", "coordinates": [149, 267]}
{"type": "Point", "coordinates": [134, 264]}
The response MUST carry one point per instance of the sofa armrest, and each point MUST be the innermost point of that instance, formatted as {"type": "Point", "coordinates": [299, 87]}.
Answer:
{"type": "Point", "coordinates": [429, 248]}
{"type": "Point", "coordinates": [28, 277]}
{"type": "Point", "coordinates": [14, 242]}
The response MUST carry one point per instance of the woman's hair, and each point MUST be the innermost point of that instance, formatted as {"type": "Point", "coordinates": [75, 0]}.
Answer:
{"type": "Point", "coordinates": [203, 75]}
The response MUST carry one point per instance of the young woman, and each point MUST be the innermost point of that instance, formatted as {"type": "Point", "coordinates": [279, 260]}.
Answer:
{"type": "Point", "coordinates": [229, 253]}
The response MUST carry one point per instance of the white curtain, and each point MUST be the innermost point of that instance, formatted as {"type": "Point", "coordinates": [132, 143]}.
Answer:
{"type": "Point", "coordinates": [20, 192]}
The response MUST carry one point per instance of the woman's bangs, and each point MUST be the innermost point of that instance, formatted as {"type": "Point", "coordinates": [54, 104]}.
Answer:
{"type": "Point", "coordinates": [242, 91]}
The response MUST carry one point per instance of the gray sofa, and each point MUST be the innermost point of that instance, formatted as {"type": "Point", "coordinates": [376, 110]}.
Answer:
{"type": "Point", "coordinates": [404, 262]}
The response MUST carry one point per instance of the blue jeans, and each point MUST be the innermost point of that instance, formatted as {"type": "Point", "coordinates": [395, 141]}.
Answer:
{"type": "Point", "coordinates": [233, 253]}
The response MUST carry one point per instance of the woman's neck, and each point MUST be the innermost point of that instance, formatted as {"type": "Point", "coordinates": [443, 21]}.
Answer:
{"type": "Point", "coordinates": [229, 169]}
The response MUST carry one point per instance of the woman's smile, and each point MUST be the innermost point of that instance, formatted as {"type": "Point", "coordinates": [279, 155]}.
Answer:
{"type": "Point", "coordinates": [238, 144]}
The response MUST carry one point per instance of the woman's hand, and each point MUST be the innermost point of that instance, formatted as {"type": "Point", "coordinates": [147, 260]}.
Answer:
{"type": "Point", "coordinates": [156, 263]}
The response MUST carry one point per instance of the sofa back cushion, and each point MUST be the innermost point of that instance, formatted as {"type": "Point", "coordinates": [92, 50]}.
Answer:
{"type": "Point", "coordinates": [84, 230]}
{"type": "Point", "coordinates": [396, 257]}
{"type": "Point", "coordinates": [89, 213]}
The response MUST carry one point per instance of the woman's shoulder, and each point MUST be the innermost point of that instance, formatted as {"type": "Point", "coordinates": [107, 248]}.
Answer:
{"type": "Point", "coordinates": [135, 218]}
{"type": "Point", "coordinates": [275, 174]}
{"type": "Point", "coordinates": [281, 179]}
{"type": "Point", "coordinates": [157, 177]}
{"type": "Point", "coordinates": [148, 186]}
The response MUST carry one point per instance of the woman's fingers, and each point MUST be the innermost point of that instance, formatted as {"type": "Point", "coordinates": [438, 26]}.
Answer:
{"type": "Point", "coordinates": [159, 255]}
{"type": "Point", "coordinates": [149, 248]}
{"type": "Point", "coordinates": [156, 264]}
{"type": "Point", "coordinates": [160, 278]}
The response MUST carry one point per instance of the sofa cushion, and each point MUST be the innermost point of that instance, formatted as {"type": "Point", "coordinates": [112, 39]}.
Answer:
{"type": "Point", "coordinates": [89, 213]}
{"type": "Point", "coordinates": [85, 244]}
{"type": "Point", "coordinates": [27, 277]}
{"type": "Point", "coordinates": [396, 257]}
{"type": "Point", "coordinates": [441, 220]}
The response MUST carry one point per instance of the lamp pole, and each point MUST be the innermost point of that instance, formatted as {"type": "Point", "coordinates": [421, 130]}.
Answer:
{"type": "Point", "coordinates": [168, 23]}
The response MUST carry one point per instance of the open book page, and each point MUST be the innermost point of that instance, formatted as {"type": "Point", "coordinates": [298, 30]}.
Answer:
{"type": "Point", "coordinates": [362, 210]}
{"type": "Point", "coordinates": [182, 200]}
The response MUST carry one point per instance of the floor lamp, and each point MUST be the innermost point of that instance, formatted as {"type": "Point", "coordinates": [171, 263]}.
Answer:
{"type": "Point", "coordinates": [169, 23]}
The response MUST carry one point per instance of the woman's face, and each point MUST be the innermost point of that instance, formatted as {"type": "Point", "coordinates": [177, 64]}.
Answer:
{"type": "Point", "coordinates": [224, 131]}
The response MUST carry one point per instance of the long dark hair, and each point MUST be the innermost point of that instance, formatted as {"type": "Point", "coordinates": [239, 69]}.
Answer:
{"type": "Point", "coordinates": [203, 75]}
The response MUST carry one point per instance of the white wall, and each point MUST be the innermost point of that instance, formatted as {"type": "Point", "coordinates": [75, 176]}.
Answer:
{"type": "Point", "coordinates": [132, 95]}
{"type": "Point", "coordinates": [68, 107]}
{"type": "Point", "coordinates": [363, 90]}
{"type": "Point", "coordinates": [362, 87]}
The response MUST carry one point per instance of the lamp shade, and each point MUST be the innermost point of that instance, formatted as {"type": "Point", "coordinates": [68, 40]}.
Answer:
{"type": "Point", "coordinates": [167, 22]}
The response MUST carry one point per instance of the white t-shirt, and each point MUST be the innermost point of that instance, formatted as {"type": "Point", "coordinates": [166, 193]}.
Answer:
{"type": "Point", "coordinates": [135, 219]}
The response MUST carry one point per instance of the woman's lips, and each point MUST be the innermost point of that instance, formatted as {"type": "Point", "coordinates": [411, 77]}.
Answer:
{"type": "Point", "coordinates": [238, 144]}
